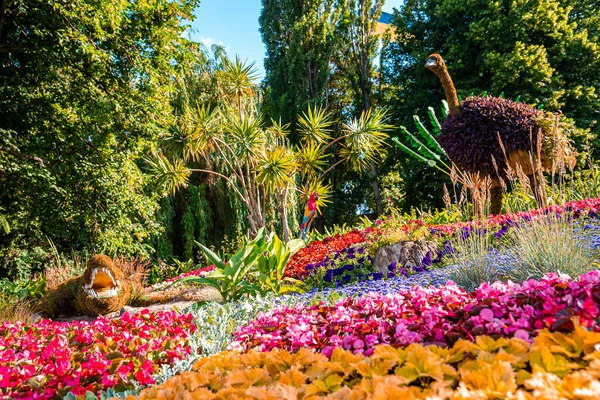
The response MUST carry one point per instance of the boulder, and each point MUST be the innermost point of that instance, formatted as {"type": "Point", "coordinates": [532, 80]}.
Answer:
{"type": "Point", "coordinates": [407, 253]}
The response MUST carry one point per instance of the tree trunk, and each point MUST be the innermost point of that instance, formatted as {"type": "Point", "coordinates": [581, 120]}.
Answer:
{"type": "Point", "coordinates": [376, 193]}
{"type": "Point", "coordinates": [283, 210]}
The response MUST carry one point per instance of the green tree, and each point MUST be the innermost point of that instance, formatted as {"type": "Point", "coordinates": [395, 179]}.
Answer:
{"type": "Point", "coordinates": [85, 92]}
{"type": "Point", "coordinates": [359, 30]}
{"type": "Point", "coordinates": [259, 164]}
{"type": "Point", "coordinates": [300, 39]}
{"type": "Point", "coordinates": [531, 49]}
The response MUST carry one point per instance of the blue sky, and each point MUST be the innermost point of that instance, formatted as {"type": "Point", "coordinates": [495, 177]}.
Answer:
{"type": "Point", "coordinates": [234, 24]}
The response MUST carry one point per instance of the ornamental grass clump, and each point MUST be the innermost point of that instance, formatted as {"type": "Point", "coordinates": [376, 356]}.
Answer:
{"type": "Point", "coordinates": [475, 259]}
{"type": "Point", "coordinates": [550, 244]}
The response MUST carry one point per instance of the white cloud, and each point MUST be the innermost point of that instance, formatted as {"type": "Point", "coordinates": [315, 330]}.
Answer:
{"type": "Point", "coordinates": [208, 42]}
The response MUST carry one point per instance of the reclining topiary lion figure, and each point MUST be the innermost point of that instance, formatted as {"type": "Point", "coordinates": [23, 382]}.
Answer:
{"type": "Point", "coordinates": [103, 289]}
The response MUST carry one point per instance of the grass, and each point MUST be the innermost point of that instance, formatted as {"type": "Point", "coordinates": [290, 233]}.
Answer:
{"type": "Point", "coordinates": [15, 310]}
{"type": "Point", "coordinates": [530, 251]}
{"type": "Point", "coordinates": [475, 260]}
{"type": "Point", "coordinates": [550, 245]}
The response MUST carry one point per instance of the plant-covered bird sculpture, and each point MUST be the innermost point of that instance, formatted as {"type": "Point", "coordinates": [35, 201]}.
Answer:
{"type": "Point", "coordinates": [309, 214]}
{"type": "Point", "coordinates": [492, 135]}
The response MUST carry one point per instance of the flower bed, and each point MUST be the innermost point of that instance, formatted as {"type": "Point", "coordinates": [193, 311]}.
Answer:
{"type": "Point", "coordinates": [430, 277]}
{"type": "Point", "coordinates": [49, 359]}
{"type": "Point", "coordinates": [435, 315]}
{"type": "Point", "coordinates": [554, 366]}
{"type": "Point", "coordinates": [577, 209]}
{"type": "Point", "coordinates": [319, 249]}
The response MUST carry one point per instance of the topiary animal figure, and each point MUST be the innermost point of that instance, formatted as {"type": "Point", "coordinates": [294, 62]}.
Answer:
{"type": "Point", "coordinates": [481, 130]}
{"type": "Point", "coordinates": [101, 290]}
{"type": "Point", "coordinates": [104, 289]}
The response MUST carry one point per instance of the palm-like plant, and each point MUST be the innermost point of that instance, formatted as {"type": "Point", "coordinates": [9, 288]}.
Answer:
{"type": "Point", "coordinates": [258, 162]}
{"type": "Point", "coordinates": [238, 81]}
{"type": "Point", "coordinates": [315, 125]}
{"type": "Point", "coordinates": [276, 168]}
{"type": "Point", "coordinates": [365, 139]}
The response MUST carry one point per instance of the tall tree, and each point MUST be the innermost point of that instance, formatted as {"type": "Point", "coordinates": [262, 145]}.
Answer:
{"type": "Point", "coordinates": [359, 30]}
{"type": "Point", "coordinates": [528, 48]}
{"type": "Point", "coordinates": [85, 91]}
{"type": "Point", "coordinates": [300, 39]}
{"type": "Point", "coordinates": [259, 165]}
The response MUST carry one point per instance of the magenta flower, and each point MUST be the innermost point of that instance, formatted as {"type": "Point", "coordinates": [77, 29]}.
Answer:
{"type": "Point", "coordinates": [48, 359]}
{"type": "Point", "coordinates": [429, 315]}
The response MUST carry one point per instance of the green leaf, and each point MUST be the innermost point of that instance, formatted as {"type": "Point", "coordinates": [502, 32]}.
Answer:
{"type": "Point", "coordinates": [437, 127]}
{"type": "Point", "coordinates": [445, 109]}
{"type": "Point", "coordinates": [295, 244]}
{"type": "Point", "coordinates": [215, 259]}
{"type": "Point", "coordinates": [410, 152]}
{"type": "Point", "coordinates": [418, 145]}
{"type": "Point", "coordinates": [431, 141]}
{"type": "Point", "coordinates": [89, 395]}
{"type": "Point", "coordinates": [205, 281]}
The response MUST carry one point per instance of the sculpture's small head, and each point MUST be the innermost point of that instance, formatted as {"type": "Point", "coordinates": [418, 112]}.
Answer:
{"type": "Point", "coordinates": [435, 62]}
{"type": "Point", "coordinates": [104, 287]}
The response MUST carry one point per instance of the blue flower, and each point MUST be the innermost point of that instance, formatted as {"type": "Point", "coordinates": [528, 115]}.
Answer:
{"type": "Point", "coordinates": [377, 275]}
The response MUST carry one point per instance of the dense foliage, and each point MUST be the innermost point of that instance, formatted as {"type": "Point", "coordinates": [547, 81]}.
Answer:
{"type": "Point", "coordinates": [85, 92]}
{"type": "Point", "coordinates": [544, 52]}
{"type": "Point", "coordinates": [300, 39]}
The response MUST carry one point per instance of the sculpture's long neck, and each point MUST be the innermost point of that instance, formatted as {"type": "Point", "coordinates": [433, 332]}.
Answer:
{"type": "Point", "coordinates": [449, 89]}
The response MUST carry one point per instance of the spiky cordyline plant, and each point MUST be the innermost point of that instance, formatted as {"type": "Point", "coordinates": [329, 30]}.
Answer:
{"type": "Point", "coordinates": [258, 162]}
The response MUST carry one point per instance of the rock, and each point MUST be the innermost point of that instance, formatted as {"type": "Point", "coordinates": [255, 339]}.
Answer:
{"type": "Point", "coordinates": [407, 253]}
{"type": "Point", "coordinates": [35, 317]}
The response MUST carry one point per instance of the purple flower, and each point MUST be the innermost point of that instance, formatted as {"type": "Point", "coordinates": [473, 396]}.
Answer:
{"type": "Point", "coordinates": [501, 232]}
{"type": "Point", "coordinates": [377, 276]}
{"type": "Point", "coordinates": [328, 276]}
{"type": "Point", "coordinates": [427, 261]}
{"type": "Point", "coordinates": [418, 269]}
{"type": "Point", "coordinates": [371, 340]}
{"type": "Point", "coordinates": [392, 267]}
